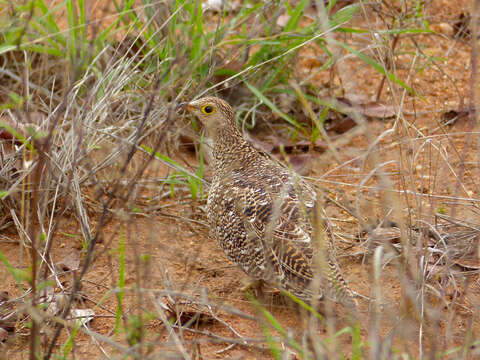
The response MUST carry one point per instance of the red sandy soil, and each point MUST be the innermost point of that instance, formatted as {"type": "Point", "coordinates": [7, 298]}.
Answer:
{"type": "Point", "coordinates": [185, 259]}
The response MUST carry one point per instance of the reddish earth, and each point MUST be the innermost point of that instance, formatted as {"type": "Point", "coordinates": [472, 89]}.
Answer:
{"type": "Point", "coordinates": [182, 258]}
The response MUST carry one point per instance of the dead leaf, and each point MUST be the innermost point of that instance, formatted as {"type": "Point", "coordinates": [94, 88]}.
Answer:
{"type": "Point", "coordinates": [352, 98]}
{"type": "Point", "coordinates": [379, 110]}
{"type": "Point", "coordinates": [467, 264]}
{"type": "Point", "coordinates": [342, 120]}
{"type": "Point", "coordinates": [341, 125]}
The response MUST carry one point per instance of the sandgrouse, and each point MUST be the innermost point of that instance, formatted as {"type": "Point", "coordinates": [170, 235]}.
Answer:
{"type": "Point", "coordinates": [260, 212]}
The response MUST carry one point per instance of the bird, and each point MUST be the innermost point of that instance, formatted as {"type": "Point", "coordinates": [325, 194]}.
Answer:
{"type": "Point", "coordinates": [261, 213]}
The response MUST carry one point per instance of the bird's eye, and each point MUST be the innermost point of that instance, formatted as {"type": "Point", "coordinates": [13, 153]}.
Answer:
{"type": "Point", "coordinates": [208, 109]}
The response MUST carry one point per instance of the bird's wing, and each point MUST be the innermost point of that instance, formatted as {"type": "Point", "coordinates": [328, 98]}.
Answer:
{"type": "Point", "coordinates": [276, 211]}
{"type": "Point", "coordinates": [279, 207]}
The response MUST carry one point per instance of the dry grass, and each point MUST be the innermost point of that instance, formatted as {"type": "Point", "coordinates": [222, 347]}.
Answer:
{"type": "Point", "coordinates": [99, 147]}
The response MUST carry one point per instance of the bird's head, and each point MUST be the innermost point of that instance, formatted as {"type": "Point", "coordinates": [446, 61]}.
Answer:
{"type": "Point", "coordinates": [213, 112]}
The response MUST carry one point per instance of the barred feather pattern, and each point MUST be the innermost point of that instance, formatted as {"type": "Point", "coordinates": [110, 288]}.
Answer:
{"type": "Point", "coordinates": [260, 213]}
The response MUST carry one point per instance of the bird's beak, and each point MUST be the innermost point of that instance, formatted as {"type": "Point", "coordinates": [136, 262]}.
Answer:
{"type": "Point", "coordinates": [185, 106]}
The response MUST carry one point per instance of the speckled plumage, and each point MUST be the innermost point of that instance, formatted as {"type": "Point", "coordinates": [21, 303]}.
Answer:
{"type": "Point", "coordinates": [260, 212]}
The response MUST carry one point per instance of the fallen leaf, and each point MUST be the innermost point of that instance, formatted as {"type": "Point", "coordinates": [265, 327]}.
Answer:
{"type": "Point", "coordinates": [379, 110]}
{"type": "Point", "coordinates": [341, 124]}
{"type": "Point", "coordinates": [353, 98]}
{"type": "Point", "coordinates": [467, 264]}
{"type": "Point", "coordinates": [342, 120]}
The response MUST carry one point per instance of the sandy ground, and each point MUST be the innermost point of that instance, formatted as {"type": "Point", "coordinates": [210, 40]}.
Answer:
{"type": "Point", "coordinates": [183, 258]}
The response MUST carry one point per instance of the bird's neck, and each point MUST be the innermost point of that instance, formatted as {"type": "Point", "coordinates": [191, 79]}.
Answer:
{"type": "Point", "coordinates": [230, 150]}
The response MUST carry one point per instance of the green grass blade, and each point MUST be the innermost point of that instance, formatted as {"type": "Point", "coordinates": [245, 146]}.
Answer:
{"type": "Point", "coordinates": [357, 343]}
{"type": "Point", "coordinates": [170, 162]}
{"type": "Point", "coordinates": [343, 15]}
{"type": "Point", "coordinates": [304, 305]}
{"type": "Point", "coordinates": [18, 275]}
{"type": "Point", "coordinates": [48, 20]}
{"type": "Point", "coordinates": [272, 344]}
{"type": "Point", "coordinates": [272, 106]}
{"type": "Point", "coordinates": [67, 347]}
{"type": "Point", "coordinates": [295, 16]}
{"type": "Point", "coordinates": [16, 134]}
{"type": "Point", "coordinates": [4, 48]}
{"type": "Point", "coordinates": [276, 325]}
{"type": "Point", "coordinates": [72, 29]}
